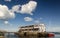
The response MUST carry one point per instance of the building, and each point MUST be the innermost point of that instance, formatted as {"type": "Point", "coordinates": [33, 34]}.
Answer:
{"type": "Point", "coordinates": [33, 28]}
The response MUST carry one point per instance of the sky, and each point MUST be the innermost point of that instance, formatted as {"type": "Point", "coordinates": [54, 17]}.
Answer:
{"type": "Point", "coordinates": [17, 13]}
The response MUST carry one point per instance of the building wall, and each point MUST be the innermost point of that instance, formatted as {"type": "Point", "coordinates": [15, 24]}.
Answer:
{"type": "Point", "coordinates": [42, 28]}
{"type": "Point", "coordinates": [30, 29]}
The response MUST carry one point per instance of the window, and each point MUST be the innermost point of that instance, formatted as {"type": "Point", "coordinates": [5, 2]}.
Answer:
{"type": "Point", "coordinates": [36, 29]}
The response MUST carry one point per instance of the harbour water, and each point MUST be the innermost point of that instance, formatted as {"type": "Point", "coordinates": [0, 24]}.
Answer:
{"type": "Point", "coordinates": [12, 35]}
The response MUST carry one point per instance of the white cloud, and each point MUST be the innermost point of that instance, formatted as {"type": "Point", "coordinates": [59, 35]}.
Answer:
{"type": "Point", "coordinates": [5, 22]}
{"type": "Point", "coordinates": [26, 8]}
{"type": "Point", "coordinates": [5, 13]}
{"type": "Point", "coordinates": [37, 21]}
{"type": "Point", "coordinates": [16, 8]}
{"type": "Point", "coordinates": [7, 0]}
{"type": "Point", "coordinates": [28, 19]}
{"type": "Point", "coordinates": [29, 7]}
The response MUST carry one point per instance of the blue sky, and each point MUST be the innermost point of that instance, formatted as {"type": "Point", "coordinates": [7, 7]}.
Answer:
{"type": "Point", "coordinates": [44, 11]}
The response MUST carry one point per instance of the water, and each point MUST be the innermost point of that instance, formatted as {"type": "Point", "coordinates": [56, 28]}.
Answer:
{"type": "Point", "coordinates": [12, 35]}
{"type": "Point", "coordinates": [57, 36]}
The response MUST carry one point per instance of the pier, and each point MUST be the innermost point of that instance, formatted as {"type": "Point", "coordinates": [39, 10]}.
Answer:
{"type": "Point", "coordinates": [9, 34]}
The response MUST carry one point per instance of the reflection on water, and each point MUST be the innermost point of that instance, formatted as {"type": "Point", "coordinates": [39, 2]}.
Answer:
{"type": "Point", "coordinates": [26, 37]}
{"type": "Point", "coordinates": [36, 37]}
{"type": "Point", "coordinates": [15, 36]}
{"type": "Point", "coordinates": [29, 37]}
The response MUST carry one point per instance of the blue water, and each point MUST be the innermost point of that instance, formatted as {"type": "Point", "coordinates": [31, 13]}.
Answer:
{"type": "Point", "coordinates": [12, 35]}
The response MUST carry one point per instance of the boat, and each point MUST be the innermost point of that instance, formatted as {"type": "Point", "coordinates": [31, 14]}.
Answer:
{"type": "Point", "coordinates": [33, 30]}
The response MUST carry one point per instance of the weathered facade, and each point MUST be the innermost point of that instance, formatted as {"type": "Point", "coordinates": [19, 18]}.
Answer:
{"type": "Point", "coordinates": [32, 30]}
